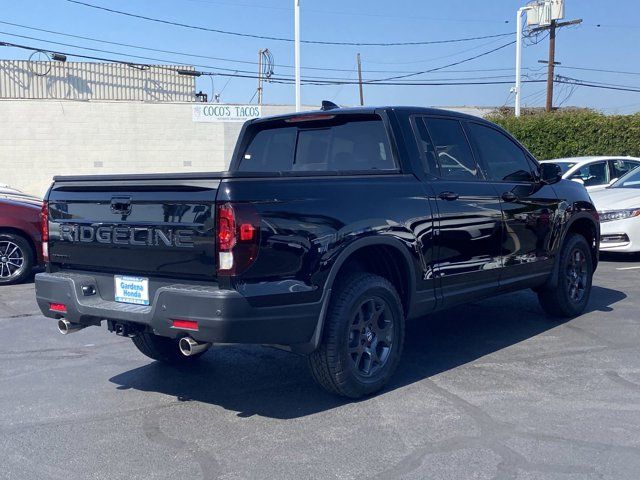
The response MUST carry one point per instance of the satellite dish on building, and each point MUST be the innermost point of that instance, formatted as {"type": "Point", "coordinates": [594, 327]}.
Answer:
{"type": "Point", "coordinates": [40, 63]}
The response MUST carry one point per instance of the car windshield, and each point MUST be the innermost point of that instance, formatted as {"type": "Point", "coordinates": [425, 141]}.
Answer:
{"type": "Point", "coordinates": [630, 180]}
{"type": "Point", "coordinates": [565, 166]}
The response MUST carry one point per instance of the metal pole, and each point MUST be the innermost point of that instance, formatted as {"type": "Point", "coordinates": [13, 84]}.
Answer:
{"type": "Point", "coordinates": [360, 80]}
{"type": "Point", "coordinates": [519, 57]}
{"type": "Point", "coordinates": [552, 64]}
{"type": "Point", "coordinates": [296, 7]}
{"type": "Point", "coordinates": [260, 76]}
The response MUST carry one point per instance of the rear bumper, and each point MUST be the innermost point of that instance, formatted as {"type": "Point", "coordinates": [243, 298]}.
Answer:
{"type": "Point", "coordinates": [223, 316]}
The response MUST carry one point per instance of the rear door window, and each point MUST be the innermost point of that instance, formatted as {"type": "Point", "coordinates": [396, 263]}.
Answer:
{"type": "Point", "coordinates": [503, 159]}
{"type": "Point", "coordinates": [621, 167]}
{"type": "Point", "coordinates": [445, 150]}
{"type": "Point", "coordinates": [340, 145]}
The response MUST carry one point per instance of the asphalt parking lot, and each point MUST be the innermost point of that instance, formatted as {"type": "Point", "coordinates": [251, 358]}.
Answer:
{"type": "Point", "coordinates": [490, 390]}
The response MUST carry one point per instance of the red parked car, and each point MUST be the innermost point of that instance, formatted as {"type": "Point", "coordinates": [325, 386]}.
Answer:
{"type": "Point", "coordinates": [20, 236]}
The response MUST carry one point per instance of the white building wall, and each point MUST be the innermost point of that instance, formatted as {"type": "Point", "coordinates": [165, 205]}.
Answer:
{"type": "Point", "coordinates": [43, 138]}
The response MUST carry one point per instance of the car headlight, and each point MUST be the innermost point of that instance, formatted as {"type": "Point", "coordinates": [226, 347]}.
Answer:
{"type": "Point", "coordinates": [618, 214]}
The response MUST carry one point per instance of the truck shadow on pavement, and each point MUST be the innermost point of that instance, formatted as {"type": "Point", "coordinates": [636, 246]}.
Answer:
{"type": "Point", "coordinates": [255, 380]}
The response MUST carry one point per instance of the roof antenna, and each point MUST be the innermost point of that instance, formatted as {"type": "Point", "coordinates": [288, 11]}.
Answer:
{"type": "Point", "coordinates": [327, 105]}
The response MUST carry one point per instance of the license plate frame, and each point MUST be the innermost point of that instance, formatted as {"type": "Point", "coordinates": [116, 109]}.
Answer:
{"type": "Point", "coordinates": [130, 289]}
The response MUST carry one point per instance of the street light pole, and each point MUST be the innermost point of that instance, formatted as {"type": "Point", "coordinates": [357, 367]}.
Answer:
{"type": "Point", "coordinates": [519, 57]}
{"type": "Point", "coordinates": [296, 8]}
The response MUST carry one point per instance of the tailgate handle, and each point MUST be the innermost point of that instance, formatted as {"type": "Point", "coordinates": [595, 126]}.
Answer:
{"type": "Point", "coordinates": [121, 205]}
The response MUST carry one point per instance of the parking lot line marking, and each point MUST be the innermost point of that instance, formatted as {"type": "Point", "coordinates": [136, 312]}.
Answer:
{"type": "Point", "coordinates": [628, 268]}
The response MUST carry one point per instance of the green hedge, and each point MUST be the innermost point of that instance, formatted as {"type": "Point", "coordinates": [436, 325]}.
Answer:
{"type": "Point", "coordinates": [574, 133]}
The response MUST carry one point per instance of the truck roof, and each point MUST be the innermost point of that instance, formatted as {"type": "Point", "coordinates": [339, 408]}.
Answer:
{"type": "Point", "coordinates": [370, 111]}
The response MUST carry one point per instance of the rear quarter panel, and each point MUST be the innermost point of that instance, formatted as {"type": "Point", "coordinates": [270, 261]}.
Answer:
{"type": "Point", "coordinates": [308, 222]}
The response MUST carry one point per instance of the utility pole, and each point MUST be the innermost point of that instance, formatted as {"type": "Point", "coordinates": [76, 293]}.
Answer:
{"type": "Point", "coordinates": [260, 54]}
{"type": "Point", "coordinates": [551, 66]}
{"type": "Point", "coordinates": [360, 80]}
{"type": "Point", "coordinates": [296, 8]}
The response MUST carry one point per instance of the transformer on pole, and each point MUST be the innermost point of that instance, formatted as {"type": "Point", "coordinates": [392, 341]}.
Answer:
{"type": "Point", "coordinates": [540, 13]}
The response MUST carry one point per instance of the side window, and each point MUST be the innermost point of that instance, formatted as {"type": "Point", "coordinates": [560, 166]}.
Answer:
{"type": "Point", "coordinates": [447, 151]}
{"type": "Point", "coordinates": [619, 167]}
{"type": "Point", "coordinates": [501, 156]}
{"type": "Point", "coordinates": [592, 174]}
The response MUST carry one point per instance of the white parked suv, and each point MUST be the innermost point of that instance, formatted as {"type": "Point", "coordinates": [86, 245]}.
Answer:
{"type": "Point", "coordinates": [595, 173]}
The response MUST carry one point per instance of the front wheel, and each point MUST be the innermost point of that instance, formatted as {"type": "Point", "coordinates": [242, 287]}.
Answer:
{"type": "Point", "coordinates": [570, 296]}
{"type": "Point", "coordinates": [362, 338]}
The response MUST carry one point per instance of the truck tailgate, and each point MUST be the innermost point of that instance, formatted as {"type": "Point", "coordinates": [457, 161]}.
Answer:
{"type": "Point", "coordinates": [152, 225]}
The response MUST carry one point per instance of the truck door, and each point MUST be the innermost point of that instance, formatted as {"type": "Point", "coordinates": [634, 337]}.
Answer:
{"type": "Point", "coordinates": [530, 209]}
{"type": "Point", "coordinates": [468, 225]}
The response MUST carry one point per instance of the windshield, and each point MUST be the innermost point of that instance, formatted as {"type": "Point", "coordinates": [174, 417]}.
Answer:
{"type": "Point", "coordinates": [565, 166]}
{"type": "Point", "coordinates": [630, 180]}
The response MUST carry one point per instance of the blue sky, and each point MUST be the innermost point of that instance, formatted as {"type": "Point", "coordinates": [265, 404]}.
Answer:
{"type": "Point", "coordinates": [610, 46]}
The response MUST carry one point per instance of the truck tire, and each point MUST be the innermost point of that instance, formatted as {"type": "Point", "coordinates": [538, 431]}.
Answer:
{"type": "Point", "coordinates": [362, 338]}
{"type": "Point", "coordinates": [570, 295]}
{"type": "Point", "coordinates": [16, 258]}
{"type": "Point", "coordinates": [162, 349]}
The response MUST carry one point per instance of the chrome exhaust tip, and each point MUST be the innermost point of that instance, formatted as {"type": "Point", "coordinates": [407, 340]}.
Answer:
{"type": "Point", "coordinates": [65, 327]}
{"type": "Point", "coordinates": [188, 346]}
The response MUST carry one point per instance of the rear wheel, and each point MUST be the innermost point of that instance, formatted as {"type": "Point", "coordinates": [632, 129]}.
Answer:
{"type": "Point", "coordinates": [362, 338]}
{"type": "Point", "coordinates": [162, 349]}
{"type": "Point", "coordinates": [570, 296]}
{"type": "Point", "coordinates": [16, 258]}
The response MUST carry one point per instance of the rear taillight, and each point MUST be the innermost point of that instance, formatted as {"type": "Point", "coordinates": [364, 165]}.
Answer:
{"type": "Point", "coordinates": [44, 230]}
{"type": "Point", "coordinates": [238, 236]}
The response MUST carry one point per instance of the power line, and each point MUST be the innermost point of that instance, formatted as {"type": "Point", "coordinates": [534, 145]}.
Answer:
{"type": "Point", "coordinates": [328, 79]}
{"type": "Point", "coordinates": [602, 70]}
{"type": "Point", "coordinates": [563, 80]}
{"type": "Point", "coordinates": [207, 57]}
{"type": "Point", "coordinates": [591, 84]}
{"type": "Point", "coordinates": [355, 14]}
{"type": "Point", "coordinates": [399, 77]}
{"type": "Point", "coordinates": [282, 39]}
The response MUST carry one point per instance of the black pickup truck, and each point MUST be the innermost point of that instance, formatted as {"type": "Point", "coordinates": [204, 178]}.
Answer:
{"type": "Point", "coordinates": [328, 232]}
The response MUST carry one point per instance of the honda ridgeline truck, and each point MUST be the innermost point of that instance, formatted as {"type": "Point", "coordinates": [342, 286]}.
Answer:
{"type": "Point", "coordinates": [330, 230]}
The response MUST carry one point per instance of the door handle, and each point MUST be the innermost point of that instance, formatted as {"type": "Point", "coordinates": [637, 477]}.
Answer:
{"type": "Point", "coordinates": [509, 197]}
{"type": "Point", "coordinates": [449, 196]}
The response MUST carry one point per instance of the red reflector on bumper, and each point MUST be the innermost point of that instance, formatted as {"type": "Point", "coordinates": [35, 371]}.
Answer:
{"type": "Point", "coordinates": [58, 307]}
{"type": "Point", "coordinates": [185, 324]}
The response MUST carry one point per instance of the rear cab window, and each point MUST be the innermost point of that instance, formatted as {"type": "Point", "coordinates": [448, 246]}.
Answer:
{"type": "Point", "coordinates": [318, 143]}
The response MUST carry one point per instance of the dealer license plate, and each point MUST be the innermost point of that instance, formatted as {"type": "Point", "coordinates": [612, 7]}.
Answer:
{"type": "Point", "coordinates": [132, 290]}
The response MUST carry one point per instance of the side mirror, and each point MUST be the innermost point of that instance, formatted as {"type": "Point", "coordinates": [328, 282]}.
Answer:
{"type": "Point", "coordinates": [613, 180]}
{"type": "Point", "coordinates": [550, 173]}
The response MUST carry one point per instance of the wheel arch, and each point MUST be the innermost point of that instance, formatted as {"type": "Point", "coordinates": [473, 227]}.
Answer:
{"type": "Point", "coordinates": [400, 270]}
{"type": "Point", "coordinates": [583, 224]}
